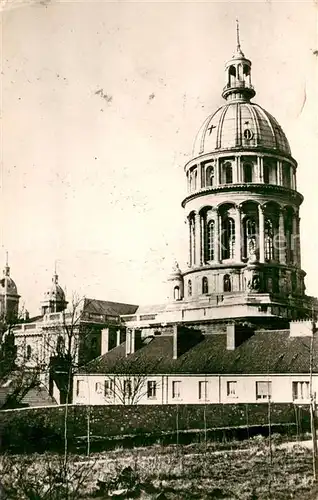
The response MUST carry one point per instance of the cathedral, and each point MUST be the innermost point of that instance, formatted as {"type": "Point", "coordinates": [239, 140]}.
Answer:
{"type": "Point", "coordinates": [238, 322]}
{"type": "Point", "coordinates": [242, 208]}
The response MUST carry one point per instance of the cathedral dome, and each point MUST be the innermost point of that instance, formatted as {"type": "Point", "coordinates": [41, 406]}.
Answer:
{"type": "Point", "coordinates": [240, 124]}
{"type": "Point", "coordinates": [8, 286]}
{"type": "Point", "coordinates": [55, 292]}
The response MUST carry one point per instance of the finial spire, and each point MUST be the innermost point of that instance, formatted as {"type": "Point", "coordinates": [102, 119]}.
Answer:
{"type": "Point", "coordinates": [7, 268]}
{"type": "Point", "coordinates": [55, 275]}
{"type": "Point", "coordinates": [238, 42]}
{"type": "Point", "coordinates": [238, 45]}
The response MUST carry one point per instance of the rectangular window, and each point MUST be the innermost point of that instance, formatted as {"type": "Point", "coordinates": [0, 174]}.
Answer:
{"type": "Point", "coordinates": [203, 390]}
{"type": "Point", "coordinates": [79, 387]}
{"type": "Point", "coordinates": [176, 385]}
{"type": "Point", "coordinates": [301, 390]}
{"type": "Point", "coordinates": [151, 389]}
{"type": "Point", "coordinates": [98, 387]}
{"type": "Point", "coordinates": [108, 388]}
{"type": "Point", "coordinates": [127, 389]}
{"type": "Point", "coordinates": [231, 388]}
{"type": "Point", "coordinates": [263, 390]}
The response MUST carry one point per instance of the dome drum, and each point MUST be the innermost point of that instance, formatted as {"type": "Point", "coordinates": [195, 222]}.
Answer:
{"type": "Point", "coordinates": [250, 169]}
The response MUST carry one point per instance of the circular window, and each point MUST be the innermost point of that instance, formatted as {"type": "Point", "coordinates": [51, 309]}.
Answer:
{"type": "Point", "coordinates": [248, 134]}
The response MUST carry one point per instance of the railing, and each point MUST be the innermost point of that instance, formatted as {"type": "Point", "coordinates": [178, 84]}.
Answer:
{"type": "Point", "coordinates": [238, 83]}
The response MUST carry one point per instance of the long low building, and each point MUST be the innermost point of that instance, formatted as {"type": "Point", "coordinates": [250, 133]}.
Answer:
{"type": "Point", "coordinates": [182, 366]}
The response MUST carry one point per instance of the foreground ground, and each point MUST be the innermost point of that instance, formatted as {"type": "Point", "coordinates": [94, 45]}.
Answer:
{"type": "Point", "coordinates": [248, 470]}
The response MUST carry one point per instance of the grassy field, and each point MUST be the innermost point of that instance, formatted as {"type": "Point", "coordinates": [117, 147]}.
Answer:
{"type": "Point", "coordinates": [238, 470]}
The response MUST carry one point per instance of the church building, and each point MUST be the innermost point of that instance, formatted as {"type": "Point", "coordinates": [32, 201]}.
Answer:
{"type": "Point", "coordinates": [238, 324]}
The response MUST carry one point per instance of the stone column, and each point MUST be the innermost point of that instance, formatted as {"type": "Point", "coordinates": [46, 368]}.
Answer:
{"type": "Point", "coordinates": [202, 240]}
{"type": "Point", "coordinates": [259, 170]}
{"type": "Point", "coordinates": [261, 233]}
{"type": "Point", "coordinates": [279, 173]}
{"type": "Point", "coordinates": [235, 172]}
{"type": "Point", "coordinates": [217, 173]}
{"type": "Point", "coordinates": [282, 238]}
{"type": "Point", "coordinates": [199, 177]}
{"type": "Point", "coordinates": [197, 240]}
{"type": "Point", "coordinates": [294, 183]}
{"type": "Point", "coordinates": [238, 256]}
{"type": "Point", "coordinates": [190, 242]}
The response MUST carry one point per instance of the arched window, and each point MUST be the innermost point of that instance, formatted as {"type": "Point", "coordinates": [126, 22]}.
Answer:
{"type": "Point", "coordinates": [209, 176]}
{"type": "Point", "coordinates": [228, 173]}
{"type": "Point", "coordinates": [210, 240]}
{"type": "Point", "coordinates": [228, 238]}
{"type": "Point", "coordinates": [246, 70]}
{"type": "Point", "coordinates": [286, 176]}
{"type": "Point", "coordinates": [189, 288]}
{"type": "Point", "coordinates": [28, 351]}
{"type": "Point", "coordinates": [60, 344]}
{"type": "Point", "coordinates": [249, 237]}
{"type": "Point", "coordinates": [266, 173]}
{"type": "Point", "coordinates": [232, 75]}
{"type": "Point", "coordinates": [176, 293]}
{"type": "Point", "coordinates": [205, 285]}
{"type": "Point", "coordinates": [248, 172]}
{"type": "Point", "coordinates": [227, 287]}
{"type": "Point", "coordinates": [268, 239]}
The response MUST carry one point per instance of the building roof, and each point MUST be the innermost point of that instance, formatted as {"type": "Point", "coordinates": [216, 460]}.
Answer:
{"type": "Point", "coordinates": [35, 396]}
{"type": "Point", "coordinates": [105, 307]}
{"type": "Point", "coordinates": [265, 352]}
{"type": "Point", "coordinates": [243, 126]}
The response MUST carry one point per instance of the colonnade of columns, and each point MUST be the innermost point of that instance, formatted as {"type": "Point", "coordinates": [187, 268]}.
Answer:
{"type": "Point", "coordinates": [197, 176]}
{"type": "Point", "coordinates": [274, 244]}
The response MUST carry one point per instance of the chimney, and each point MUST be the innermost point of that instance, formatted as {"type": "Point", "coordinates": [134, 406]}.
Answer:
{"type": "Point", "coordinates": [104, 345]}
{"type": "Point", "coordinates": [301, 328]}
{"type": "Point", "coordinates": [108, 339]}
{"type": "Point", "coordinates": [184, 339]}
{"type": "Point", "coordinates": [230, 337]}
{"type": "Point", "coordinates": [133, 341]}
{"type": "Point", "coordinates": [175, 341]}
{"type": "Point", "coordinates": [236, 334]}
{"type": "Point", "coordinates": [120, 337]}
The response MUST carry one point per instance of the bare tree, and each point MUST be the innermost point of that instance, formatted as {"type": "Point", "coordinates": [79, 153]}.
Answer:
{"type": "Point", "coordinates": [17, 378]}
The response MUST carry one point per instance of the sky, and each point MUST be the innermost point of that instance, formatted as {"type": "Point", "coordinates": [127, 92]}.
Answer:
{"type": "Point", "coordinates": [100, 105]}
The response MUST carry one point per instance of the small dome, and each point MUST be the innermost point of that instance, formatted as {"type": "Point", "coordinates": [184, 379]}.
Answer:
{"type": "Point", "coordinates": [240, 125]}
{"type": "Point", "coordinates": [8, 286]}
{"type": "Point", "coordinates": [175, 271]}
{"type": "Point", "coordinates": [55, 292]}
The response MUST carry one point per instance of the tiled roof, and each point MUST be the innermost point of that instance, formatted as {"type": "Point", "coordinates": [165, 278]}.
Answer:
{"type": "Point", "coordinates": [35, 396]}
{"type": "Point", "coordinates": [264, 352]}
{"type": "Point", "coordinates": [108, 308]}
